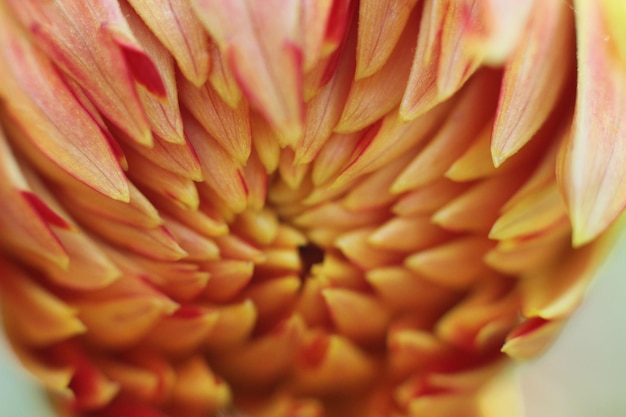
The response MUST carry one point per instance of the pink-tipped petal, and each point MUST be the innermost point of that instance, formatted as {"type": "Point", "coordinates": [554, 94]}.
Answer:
{"type": "Point", "coordinates": [116, 60]}
{"type": "Point", "coordinates": [51, 119]}
{"type": "Point", "coordinates": [592, 164]}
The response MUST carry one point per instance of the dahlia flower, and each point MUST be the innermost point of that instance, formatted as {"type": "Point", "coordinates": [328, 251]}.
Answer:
{"type": "Point", "coordinates": [302, 208]}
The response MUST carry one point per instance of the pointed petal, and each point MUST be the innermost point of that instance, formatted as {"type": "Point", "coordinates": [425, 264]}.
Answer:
{"type": "Point", "coordinates": [401, 289]}
{"type": "Point", "coordinates": [372, 97]}
{"type": "Point", "coordinates": [198, 391]}
{"type": "Point", "coordinates": [533, 78]}
{"type": "Point", "coordinates": [322, 356]}
{"type": "Point", "coordinates": [592, 165]}
{"type": "Point", "coordinates": [347, 308]}
{"type": "Point", "coordinates": [461, 127]}
{"type": "Point", "coordinates": [233, 327]}
{"type": "Point", "coordinates": [24, 218]}
{"type": "Point", "coordinates": [531, 338]}
{"type": "Point", "coordinates": [176, 26]}
{"type": "Point", "coordinates": [228, 278]}
{"type": "Point", "coordinates": [380, 26]}
{"type": "Point", "coordinates": [229, 126]}
{"type": "Point", "coordinates": [455, 264]}
{"type": "Point", "coordinates": [115, 60]}
{"type": "Point", "coordinates": [183, 331]}
{"type": "Point", "coordinates": [262, 45]}
{"type": "Point", "coordinates": [162, 113]}
{"type": "Point", "coordinates": [51, 120]}
{"type": "Point", "coordinates": [37, 317]}
{"type": "Point", "coordinates": [222, 173]}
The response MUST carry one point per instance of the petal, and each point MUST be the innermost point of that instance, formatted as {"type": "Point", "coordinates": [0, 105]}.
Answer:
{"type": "Point", "coordinates": [533, 78]}
{"type": "Point", "coordinates": [115, 62]}
{"type": "Point", "coordinates": [177, 27]}
{"type": "Point", "coordinates": [592, 165]}
{"type": "Point", "coordinates": [380, 26]}
{"type": "Point", "coordinates": [51, 120]}
{"type": "Point", "coordinates": [262, 45]}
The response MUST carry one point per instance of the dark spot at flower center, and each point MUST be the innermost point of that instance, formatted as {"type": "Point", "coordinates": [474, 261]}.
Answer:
{"type": "Point", "coordinates": [310, 255]}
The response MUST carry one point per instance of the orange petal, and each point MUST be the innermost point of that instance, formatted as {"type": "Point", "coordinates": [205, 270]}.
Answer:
{"type": "Point", "coordinates": [198, 391]}
{"type": "Point", "coordinates": [380, 26]}
{"type": "Point", "coordinates": [456, 263]}
{"type": "Point", "coordinates": [356, 247]}
{"type": "Point", "coordinates": [274, 296]}
{"type": "Point", "coordinates": [262, 45]}
{"type": "Point", "coordinates": [460, 128]}
{"type": "Point", "coordinates": [592, 165]}
{"type": "Point", "coordinates": [222, 78]}
{"type": "Point", "coordinates": [140, 380]}
{"type": "Point", "coordinates": [228, 278]}
{"type": "Point", "coordinates": [533, 78]}
{"type": "Point", "coordinates": [408, 234]}
{"type": "Point", "coordinates": [265, 359]}
{"type": "Point", "coordinates": [175, 25]}
{"type": "Point", "coordinates": [25, 219]}
{"type": "Point", "coordinates": [323, 111]}
{"type": "Point", "coordinates": [539, 212]}
{"type": "Point", "coordinates": [557, 290]}
{"type": "Point", "coordinates": [230, 127]}
{"type": "Point", "coordinates": [401, 289]}
{"type": "Point", "coordinates": [180, 190]}
{"type": "Point", "coordinates": [347, 309]}
{"type": "Point", "coordinates": [221, 172]}
{"type": "Point", "coordinates": [371, 97]}
{"type": "Point", "coordinates": [198, 247]}
{"type": "Point", "coordinates": [91, 388]}
{"type": "Point", "coordinates": [234, 325]}
{"type": "Point", "coordinates": [183, 331]}
{"type": "Point", "coordinates": [138, 211]}
{"type": "Point", "coordinates": [119, 322]}
{"type": "Point", "coordinates": [477, 209]}
{"type": "Point", "coordinates": [389, 139]}
{"type": "Point", "coordinates": [331, 364]}
{"type": "Point", "coordinates": [427, 199]}
{"type": "Point", "coordinates": [36, 316]}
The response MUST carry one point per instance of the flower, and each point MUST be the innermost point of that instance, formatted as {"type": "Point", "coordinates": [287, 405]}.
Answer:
{"type": "Point", "coordinates": [326, 208]}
